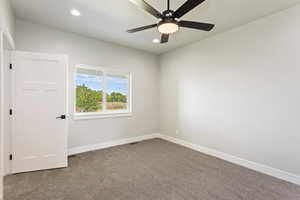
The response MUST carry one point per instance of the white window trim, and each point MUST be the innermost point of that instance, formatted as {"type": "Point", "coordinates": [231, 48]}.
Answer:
{"type": "Point", "coordinates": [105, 113]}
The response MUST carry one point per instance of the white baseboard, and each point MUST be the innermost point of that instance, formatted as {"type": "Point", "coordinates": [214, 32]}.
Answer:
{"type": "Point", "coordinates": [224, 156]}
{"type": "Point", "coordinates": [104, 145]}
{"type": "Point", "coordinates": [236, 160]}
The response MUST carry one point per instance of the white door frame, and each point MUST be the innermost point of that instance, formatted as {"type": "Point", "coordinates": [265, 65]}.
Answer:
{"type": "Point", "coordinates": [6, 42]}
{"type": "Point", "coordinates": [44, 56]}
{"type": "Point", "coordinates": [1, 115]}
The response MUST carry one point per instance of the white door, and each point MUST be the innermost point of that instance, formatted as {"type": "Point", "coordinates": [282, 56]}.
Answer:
{"type": "Point", "coordinates": [39, 129]}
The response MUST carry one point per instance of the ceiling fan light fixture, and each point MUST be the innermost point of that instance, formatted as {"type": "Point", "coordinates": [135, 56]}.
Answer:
{"type": "Point", "coordinates": [168, 27]}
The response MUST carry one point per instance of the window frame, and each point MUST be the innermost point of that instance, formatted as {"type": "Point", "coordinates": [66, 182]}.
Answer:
{"type": "Point", "coordinates": [105, 113]}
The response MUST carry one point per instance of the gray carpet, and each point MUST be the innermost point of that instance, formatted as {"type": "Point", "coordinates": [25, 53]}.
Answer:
{"type": "Point", "coordinates": [150, 170]}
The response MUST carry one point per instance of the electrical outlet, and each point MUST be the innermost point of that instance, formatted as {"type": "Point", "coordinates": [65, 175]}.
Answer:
{"type": "Point", "coordinates": [177, 132]}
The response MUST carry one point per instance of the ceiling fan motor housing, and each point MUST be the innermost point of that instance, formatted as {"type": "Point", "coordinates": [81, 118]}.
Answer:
{"type": "Point", "coordinates": [168, 24]}
{"type": "Point", "coordinates": [168, 14]}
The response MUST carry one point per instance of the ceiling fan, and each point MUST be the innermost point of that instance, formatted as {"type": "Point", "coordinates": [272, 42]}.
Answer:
{"type": "Point", "coordinates": [169, 20]}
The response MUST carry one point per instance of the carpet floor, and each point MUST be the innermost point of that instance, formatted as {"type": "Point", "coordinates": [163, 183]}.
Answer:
{"type": "Point", "coordinates": [149, 170]}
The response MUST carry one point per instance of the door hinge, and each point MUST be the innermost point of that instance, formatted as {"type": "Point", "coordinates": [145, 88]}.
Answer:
{"type": "Point", "coordinates": [10, 66]}
{"type": "Point", "coordinates": [10, 157]}
{"type": "Point", "coordinates": [10, 111]}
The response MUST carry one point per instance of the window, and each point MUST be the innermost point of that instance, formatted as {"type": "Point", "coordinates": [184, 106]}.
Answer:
{"type": "Point", "coordinates": [101, 92]}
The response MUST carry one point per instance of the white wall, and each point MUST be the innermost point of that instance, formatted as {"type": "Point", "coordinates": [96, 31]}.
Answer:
{"type": "Point", "coordinates": [239, 92]}
{"type": "Point", "coordinates": [82, 50]}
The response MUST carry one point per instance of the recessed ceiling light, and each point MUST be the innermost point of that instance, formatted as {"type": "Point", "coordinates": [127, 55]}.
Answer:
{"type": "Point", "coordinates": [155, 40]}
{"type": "Point", "coordinates": [75, 12]}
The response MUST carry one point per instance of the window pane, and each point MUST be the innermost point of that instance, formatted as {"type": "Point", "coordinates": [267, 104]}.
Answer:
{"type": "Point", "coordinates": [89, 89]}
{"type": "Point", "coordinates": [116, 92]}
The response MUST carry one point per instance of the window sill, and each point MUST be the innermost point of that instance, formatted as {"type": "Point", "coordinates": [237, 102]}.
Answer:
{"type": "Point", "coordinates": [89, 116]}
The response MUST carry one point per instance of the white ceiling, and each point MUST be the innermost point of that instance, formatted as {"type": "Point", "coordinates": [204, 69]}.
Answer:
{"type": "Point", "coordinates": [109, 19]}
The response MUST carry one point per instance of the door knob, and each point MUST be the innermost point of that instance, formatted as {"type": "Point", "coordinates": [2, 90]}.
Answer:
{"type": "Point", "coordinates": [61, 117]}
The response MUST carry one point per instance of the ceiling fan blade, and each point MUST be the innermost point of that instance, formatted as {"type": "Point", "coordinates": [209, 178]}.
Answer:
{"type": "Point", "coordinates": [186, 7]}
{"type": "Point", "coordinates": [147, 7]}
{"type": "Point", "coordinates": [164, 38]}
{"type": "Point", "coordinates": [141, 28]}
{"type": "Point", "coordinates": [196, 25]}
